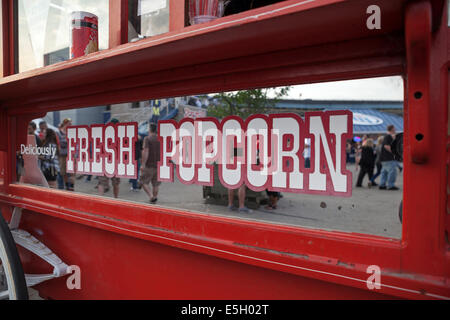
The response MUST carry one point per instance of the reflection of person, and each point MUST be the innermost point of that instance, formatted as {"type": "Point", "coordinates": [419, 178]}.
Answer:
{"type": "Point", "coordinates": [32, 130]}
{"type": "Point", "coordinates": [138, 156]}
{"type": "Point", "coordinates": [241, 190]}
{"type": "Point", "coordinates": [357, 154]}
{"type": "Point", "coordinates": [377, 160]}
{"type": "Point", "coordinates": [388, 162]}
{"type": "Point", "coordinates": [273, 199]}
{"type": "Point", "coordinates": [103, 184]}
{"type": "Point", "coordinates": [42, 128]}
{"type": "Point", "coordinates": [307, 152]}
{"type": "Point", "coordinates": [49, 162]}
{"type": "Point", "coordinates": [241, 197]}
{"type": "Point", "coordinates": [150, 158]}
{"type": "Point", "coordinates": [367, 162]}
{"type": "Point", "coordinates": [155, 114]}
{"type": "Point", "coordinates": [103, 181]}
{"type": "Point", "coordinates": [67, 178]}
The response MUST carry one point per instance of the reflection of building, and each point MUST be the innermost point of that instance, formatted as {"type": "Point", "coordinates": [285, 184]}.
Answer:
{"type": "Point", "coordinates": [86, 116]}
{"type": "Point", "coordinates": [395, 107]}
{"type": "Point", "coordinates": [135, 111]}
{"type": "Point", "coordinates": [368, 116]}
{"type": "Point", "coordinates": [56, 56]}
{"type": "Point", "coordinates": [142, 111]}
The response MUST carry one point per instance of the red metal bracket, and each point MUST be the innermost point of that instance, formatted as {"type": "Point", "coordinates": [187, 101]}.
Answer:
{"type": "Point", "coordinates": [418, 46]}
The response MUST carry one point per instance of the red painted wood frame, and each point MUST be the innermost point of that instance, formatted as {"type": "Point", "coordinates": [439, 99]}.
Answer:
{"type": "Point", "coordinates": [292, 42]}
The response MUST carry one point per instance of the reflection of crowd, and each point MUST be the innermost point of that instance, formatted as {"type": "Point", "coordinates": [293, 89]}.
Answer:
{"type": "Point", "coordinates": [65, 180]}
{"type": "Point", "coordinates": [368, 152]}
{"type": "Point", "coordinates": [385, 155]}
{"type": "Point", "coordinates": [53, 165]}
{"type": "Point", "coordinates": [147, 152]}
{"type": "Point", "coordinates": [50, 163]}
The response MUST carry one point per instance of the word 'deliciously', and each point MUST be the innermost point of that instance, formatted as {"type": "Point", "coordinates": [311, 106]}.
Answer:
{"type": "Point", "coordinates": [38, 151]}
{"type": "Point", "coordinates": [262, 152]}
{"type": "Point", "coordinates": [102, 150]}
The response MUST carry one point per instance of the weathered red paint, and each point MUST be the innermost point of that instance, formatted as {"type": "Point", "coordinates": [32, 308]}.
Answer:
{"type": "Point", "coordinates": [128, 250]}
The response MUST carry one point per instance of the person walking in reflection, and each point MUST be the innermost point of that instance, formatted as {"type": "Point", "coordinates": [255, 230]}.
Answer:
{"type": "Point", "coordinates": [67, 179]}
{"type": "Point", "coordinates": [378, 148]}
{"type": "Point", "coordinates": [49, 162]}
{"type": "Point", "coordinates": [138, 156]}
{"type": "Point", "coordinates": [388, 162]}
{"type": "Point", "coordinates": [103, 181]}
{"type": "Point", "coordinates": [241, 193]}
{"type": "Point", "coordinates": [307, 153]}
{"type": "Point", "coordinates": [42, 128]}
{"type": "Point", "coordinates": [32, 131]}
{"type": "Point", "coordinates": [366, 162]}
{"type": "Point", "coordinates": [241, 197]}
{"type": "Point", "coordinates": [150, 158]}
{"type": "Point", "coordinates": [103, 185]}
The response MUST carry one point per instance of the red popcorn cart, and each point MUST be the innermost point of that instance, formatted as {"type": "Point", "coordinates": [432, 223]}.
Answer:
{"type": "Point", "coordinates": [111, 189]}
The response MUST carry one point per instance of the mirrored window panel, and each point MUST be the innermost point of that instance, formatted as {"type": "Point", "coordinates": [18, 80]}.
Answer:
{"type": "Point", "coordinates": [326, 155]}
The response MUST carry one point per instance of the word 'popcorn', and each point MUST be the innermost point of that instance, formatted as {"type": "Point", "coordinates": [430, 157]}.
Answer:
{"type": "Point", "coordinates": [264, 152]}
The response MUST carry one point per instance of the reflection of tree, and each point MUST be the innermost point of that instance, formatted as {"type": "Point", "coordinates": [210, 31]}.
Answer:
{"type": "Point", "coordinates": [246, 102]}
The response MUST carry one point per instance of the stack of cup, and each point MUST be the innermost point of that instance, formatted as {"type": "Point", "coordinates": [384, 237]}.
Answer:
{"type": "Point", "coordinates": [201, 11]}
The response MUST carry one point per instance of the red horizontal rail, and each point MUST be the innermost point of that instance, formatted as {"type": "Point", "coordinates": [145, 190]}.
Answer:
{"type": "Point", "coordinates": [232, 239]}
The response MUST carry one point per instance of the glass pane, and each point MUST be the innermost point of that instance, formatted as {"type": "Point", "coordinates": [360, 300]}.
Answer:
{"type": "Point", "coordinates": [45, 29]}
{"type": "Point", "coordinates": [302, 149]}
{"type": "Point", "coordinates": [147, 18]}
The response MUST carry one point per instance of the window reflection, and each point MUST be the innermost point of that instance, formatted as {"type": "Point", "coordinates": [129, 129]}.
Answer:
{"type": "Point", "coordinates": [45, 29]}
{"type": "Point", "coordinates": [373, 155]}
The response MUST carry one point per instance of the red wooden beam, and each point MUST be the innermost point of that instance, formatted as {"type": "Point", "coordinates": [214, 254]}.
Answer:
{"type": "Point", "coordinates": [351, 59]}
{"type": "Point", "coordinates": [118, 22]}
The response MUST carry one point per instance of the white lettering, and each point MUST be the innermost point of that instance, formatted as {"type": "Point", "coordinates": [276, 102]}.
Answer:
{"type": "Point", "coordinates": [126, 168]}
{"type": "Point", "coordinates": [374, 20]}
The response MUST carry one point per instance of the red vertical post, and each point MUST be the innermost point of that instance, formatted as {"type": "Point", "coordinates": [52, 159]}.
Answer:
{"type": "Point", "coordinates": [177, 14]}
{"type": "Point", "coordinates": [118, 22]}
{"type": "Point", "coordinates": [425, 144]}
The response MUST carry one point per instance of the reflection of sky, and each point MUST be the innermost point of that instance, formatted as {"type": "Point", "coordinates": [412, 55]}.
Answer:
{"type": "Point", "coordinates": [383, 88]}
{"type": "Point", "coordinates": [44, 26]}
